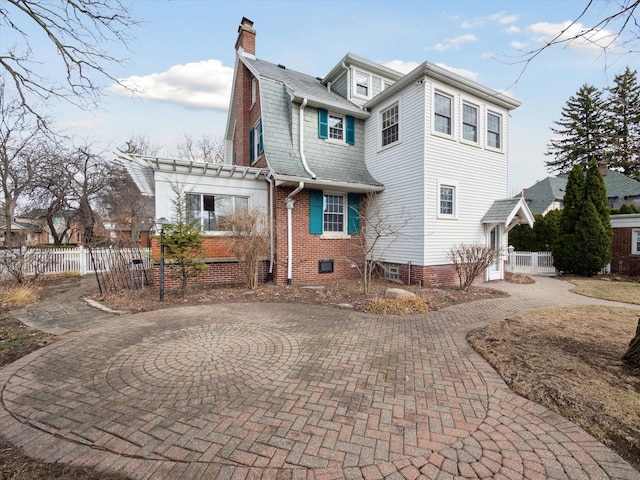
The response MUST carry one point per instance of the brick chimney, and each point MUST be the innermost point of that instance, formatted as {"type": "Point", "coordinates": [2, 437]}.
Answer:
{"type": "Point", "coordinates": [603, 167]}
{"type": "Point", "coordinates": [246, 37]}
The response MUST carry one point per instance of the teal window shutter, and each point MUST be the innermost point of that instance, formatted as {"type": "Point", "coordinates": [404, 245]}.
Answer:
{"type": "Point", "coordinates": [316, 202]}
{"type": "Point", "coordinates": [251, 145]}
{"type": "Point", "coordinates": [354, 213]}
{"type": "Point", "coordinates": [351, 130]}
{"type": "Point", "coordinates": [323, 123]}
{"type": "Point", "coordinates": [260, 144]}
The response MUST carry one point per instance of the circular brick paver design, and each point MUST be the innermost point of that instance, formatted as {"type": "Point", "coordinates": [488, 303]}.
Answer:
{"type": "Point", "coordinates": [289, 391]}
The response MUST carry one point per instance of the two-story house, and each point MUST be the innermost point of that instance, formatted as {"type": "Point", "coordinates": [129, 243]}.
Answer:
{"type": "Point", "coordinates": [428, 149]}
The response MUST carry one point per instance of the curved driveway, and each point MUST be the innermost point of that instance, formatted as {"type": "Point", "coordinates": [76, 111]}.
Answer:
{"type": "Point", "coordinates": [293, 391]}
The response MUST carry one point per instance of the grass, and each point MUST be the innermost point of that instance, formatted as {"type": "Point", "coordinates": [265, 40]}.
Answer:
{"type": "Point", "coordinates": [569, 359]}
{"type": "Point", "coordinates": [626, 292]}
{"type": "Point", "coordinates": [397, 306]}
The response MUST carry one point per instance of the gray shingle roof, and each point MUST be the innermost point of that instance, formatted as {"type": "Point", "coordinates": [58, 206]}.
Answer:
{"type": "Point", "coordinates": [620, 189]}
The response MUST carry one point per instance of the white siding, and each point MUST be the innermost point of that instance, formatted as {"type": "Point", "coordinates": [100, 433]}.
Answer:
{"type": "Point", "coordinates": [400, 168]}
{"type": "Point", "coordinates": [478, 173]}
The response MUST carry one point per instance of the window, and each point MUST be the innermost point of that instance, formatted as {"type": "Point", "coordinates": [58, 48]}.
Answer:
{"type": "Point", "coordinates": [362, 84]}
{"type": "Point", "coordinates": [335, 213]}
{"type": "Point", "coordinates": [390, 125]}
{"type": "Point", "coordinates": [493, 130]}
{"type": "Point", "coordinates": [469, 123]}
{"type": "Point", "coordinates": [255, 141]}
{"type": "Point", "coordinates": [635, 242]}
{"type": "Point", "coordinates": [336, 127]}
{"type": "Point", "coordinates": [443, 115]}
{"type": "Point", "coordinates": [447, 200]}
{"type": "Point", "coordinates": [392, 272]}
{"type": "Point", "coordinates": [210, 210]}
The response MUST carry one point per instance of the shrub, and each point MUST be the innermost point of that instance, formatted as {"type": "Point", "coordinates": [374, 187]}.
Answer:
{"type": "Point", "coordinates": [469, 261]}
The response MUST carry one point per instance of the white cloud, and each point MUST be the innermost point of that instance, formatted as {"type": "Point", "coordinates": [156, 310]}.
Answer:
{"type": "Point", "coordinates": [401, 66]}
{"type": "Point", "coordinates": [574, 34]}
{"type": "Point", "coordinates": [454, 43]}
{"type": "Point", "coordinates": [460, 71]}
{"type": "Point", "coordinates": [205, 84]}
{"type": "Point", "coordinates": [501, 18]}
{"type": "Point", "coordinates": [518, 45]}
{"type": "Point", "coordinates": [512, 29]}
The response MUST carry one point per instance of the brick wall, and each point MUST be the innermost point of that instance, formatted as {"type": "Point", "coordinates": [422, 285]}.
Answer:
{"type": "Point", "coordinates": [622, 260]}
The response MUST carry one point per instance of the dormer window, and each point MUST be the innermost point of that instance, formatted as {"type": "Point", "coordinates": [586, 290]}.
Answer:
{"type": "Point", "coordinates": [336, 127]}
{"type": "Point", "coordinates": [362, 84]}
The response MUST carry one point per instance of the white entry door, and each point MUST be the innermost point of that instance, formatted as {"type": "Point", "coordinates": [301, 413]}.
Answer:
{"type": "Point", "coordinates": [495, 271]}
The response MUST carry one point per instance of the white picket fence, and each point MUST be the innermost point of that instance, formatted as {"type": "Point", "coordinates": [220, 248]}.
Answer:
{"type": "Point", "coordinates": [531, 263]}
{"type": "Point", "coordinates": [49, 261]}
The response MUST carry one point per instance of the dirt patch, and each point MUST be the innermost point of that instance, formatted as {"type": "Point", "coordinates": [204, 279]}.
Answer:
{"type": "Point", "coordinates": [568, 359]}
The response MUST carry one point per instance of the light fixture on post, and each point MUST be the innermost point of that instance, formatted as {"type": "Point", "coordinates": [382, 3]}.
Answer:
{"type": "Point", "coordinates": [159, 226]}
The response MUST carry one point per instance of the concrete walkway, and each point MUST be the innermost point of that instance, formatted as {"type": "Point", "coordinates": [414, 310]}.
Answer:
{"type": "Point", "coordinates": [290, 391]}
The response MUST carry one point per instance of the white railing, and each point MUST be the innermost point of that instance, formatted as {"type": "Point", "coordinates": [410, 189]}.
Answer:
{"type": "Point", "coordinates": [531, 263]}
{"type": "Point", "coordinates": [46, 261]}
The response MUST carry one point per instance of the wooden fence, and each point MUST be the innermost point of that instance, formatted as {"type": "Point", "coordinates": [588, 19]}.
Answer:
{"type": "Point", "coordinates": [47, 261]}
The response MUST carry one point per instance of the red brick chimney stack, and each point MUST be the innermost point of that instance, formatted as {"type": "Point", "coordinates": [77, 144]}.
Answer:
{"type": "Point", "coordinates": [246, 37]}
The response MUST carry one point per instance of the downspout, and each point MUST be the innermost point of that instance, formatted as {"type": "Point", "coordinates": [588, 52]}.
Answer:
{"type": "Point", "coordinates": [290, 201]}
{"type": "Point", "coordinates": [271, 239]}
{"type": "Point", "coordinates": [301, 139]}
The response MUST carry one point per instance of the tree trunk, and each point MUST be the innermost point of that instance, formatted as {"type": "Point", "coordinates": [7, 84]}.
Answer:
{"type": "Point", "coordinates": [632, 357]}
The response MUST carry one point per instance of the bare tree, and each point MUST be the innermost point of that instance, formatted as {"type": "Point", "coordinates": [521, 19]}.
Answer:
{"type": "Point", "coordinates": [140, 145]}
{"type": "Point", "coordinates": [380, 226]}
{"type": "Point", "coordinates": [82, 34]}
{"type": "Point", "coordinates": [20, 140]}
{"type": "Point", "coordinates": [249, 236]}
{"type": "Point", "coordinates": [469, 261]}
{"type": "Point", "coordinates": [203, 149]}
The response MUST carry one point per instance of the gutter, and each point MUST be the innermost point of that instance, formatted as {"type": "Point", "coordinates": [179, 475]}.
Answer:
{"type": "Point", "coordinates": [301, 143]}
{"type": "Point", "coordinates": [290, 201]}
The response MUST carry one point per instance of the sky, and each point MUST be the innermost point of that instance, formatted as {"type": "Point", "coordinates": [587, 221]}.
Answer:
{"type": "Point", "coordinates": [181, 59]}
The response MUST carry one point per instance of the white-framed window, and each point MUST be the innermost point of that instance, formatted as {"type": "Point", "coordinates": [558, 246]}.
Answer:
{"type": "Point", "coordinates": [635, 242]}
{"type": "Point", "coordinates": [336, 127]}
{"type": "Point", "coordinates": [447, 199]}
{"type": "Point", "coordinates": [392, 271]}
{"type": "Point", "coordinates": [443, 113]}
{"type": "Point", "coordinates": [494, 130]}
{"type": "Point", "coordinates": [333, 215]}
{"type": "Point", "coordinates": [469, 123]}
{"type": "Point", "coordinates": [254, 91]}
{"type": "Point", "coordinates": [390, 125]}
{"type": "Point", "coordinates": [210, 210]}
{"type": "Point", "coordinates": [362, 84]}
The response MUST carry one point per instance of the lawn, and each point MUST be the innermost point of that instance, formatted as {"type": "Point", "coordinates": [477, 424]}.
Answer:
{"type": "Point", "coordinates": [568, 359]}
{"type": "Point", "coordinates": [626, 292]}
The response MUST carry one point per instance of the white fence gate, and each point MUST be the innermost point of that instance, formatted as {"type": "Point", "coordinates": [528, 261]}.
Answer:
{"type": "Point", "coordinates": [45, 261]}
{"type": "Point", "coordinates": [531, 263]}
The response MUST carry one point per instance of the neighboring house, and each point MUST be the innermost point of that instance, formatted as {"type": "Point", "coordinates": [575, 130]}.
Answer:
{"type": "Point", "coordinates": [116, 232]}
{"type": "Point", "coordinates": [625, 255]}
{"type": "Point", "coordinates": [430, 148]}
{"type": "Point", "coordinates": [548, 194]}
{"type": "Point", "coordinates": [23, 234]}
{"type": "Point", "coordinates": [61, 221]}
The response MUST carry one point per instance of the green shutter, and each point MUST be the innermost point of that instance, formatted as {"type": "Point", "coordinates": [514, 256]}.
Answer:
{"type": "Point", "coordinates": [251, 146]}
{"type": "Point", "coordinates": [260, 144]}
{"type": "Point", "coordinates": [316, 202]}
{"type": "Point", "coordinates": [323, 123]}
{"type": "Point", "coordinates": [354, 213]}
{"type": "Point", "coordinates": [351, 130]}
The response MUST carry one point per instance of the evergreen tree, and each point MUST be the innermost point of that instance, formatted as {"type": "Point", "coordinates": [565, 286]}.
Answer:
{"type": "Point", "coordinates": [623, 125]}
{"type": "Point", "coordinates": [580, 131]}
{"type": "Point", "coordinates": [573, 200]}
{"type": "Point", "coordinates": [596, 192]}
{"type": "Point", "coordinates": [591, 244]}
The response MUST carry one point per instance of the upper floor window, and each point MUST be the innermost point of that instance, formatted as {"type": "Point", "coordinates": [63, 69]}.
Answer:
{"type": "Point", "coordinates": [210, 210]}
{"type": "Point", "coordinates": [362, 84]}
{"type": "Point", "coordinates": [256, 146]}
{"type": "Point", "coordinates": [443, 113]}
{"type": "Point", "coordinates": [336, 127]}
{"type": "Point", "coordinates": [447, 200]}
{"type": "Point", "coordinates": [469, 123]}
{"type": "Point", "coordinates": [494, 130]}
{"type": "Point", "coordinates": [390, 125]}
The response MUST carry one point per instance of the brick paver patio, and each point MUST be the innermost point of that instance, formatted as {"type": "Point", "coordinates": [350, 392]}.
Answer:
{"type": "Point", "coordinates": [293, 391]}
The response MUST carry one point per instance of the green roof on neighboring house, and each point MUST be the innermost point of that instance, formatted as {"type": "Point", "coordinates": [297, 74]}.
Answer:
{"type": "Point", "coordinates": [620, 189]}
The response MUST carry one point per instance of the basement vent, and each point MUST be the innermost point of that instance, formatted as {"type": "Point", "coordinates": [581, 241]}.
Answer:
{"type": "Point", "coordinates": [325, 266]}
